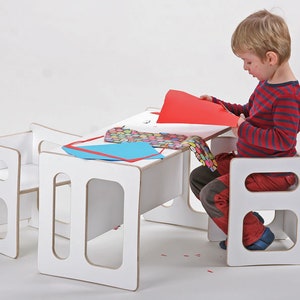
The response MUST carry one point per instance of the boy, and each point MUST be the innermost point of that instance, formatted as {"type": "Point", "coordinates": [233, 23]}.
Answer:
{"type": "Point", "coordinates": [267, 127]}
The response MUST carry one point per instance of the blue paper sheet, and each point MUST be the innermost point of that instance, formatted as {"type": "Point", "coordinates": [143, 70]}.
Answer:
{"type": "Point", "coordinates": [124, 151]}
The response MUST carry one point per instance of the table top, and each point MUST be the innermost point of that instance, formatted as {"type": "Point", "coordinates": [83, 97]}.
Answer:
{"type": "Point", "coordinates": [146, 122]}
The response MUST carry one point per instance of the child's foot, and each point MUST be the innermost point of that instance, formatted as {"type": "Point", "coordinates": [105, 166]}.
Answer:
{"type": "Point", "coordinates": [263, 243]}
{"type": "Point", "coordinates": [223, 244]}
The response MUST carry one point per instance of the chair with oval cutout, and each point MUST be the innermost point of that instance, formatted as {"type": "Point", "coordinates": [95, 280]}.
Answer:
{"type": "Point", "coordinates": [19, 181]}
{"type": "Point", "coordinates": [285, 205]}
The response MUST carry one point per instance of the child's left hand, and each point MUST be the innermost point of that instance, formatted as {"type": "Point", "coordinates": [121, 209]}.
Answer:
{"type": "Point", "coordinates": [240, 121]}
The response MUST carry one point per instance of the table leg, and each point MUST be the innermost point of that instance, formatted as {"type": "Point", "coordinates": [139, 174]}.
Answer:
{"type": "Point", "coordinates": [76, 265]}
{"type": "Point", "coordinates": [180, 212]}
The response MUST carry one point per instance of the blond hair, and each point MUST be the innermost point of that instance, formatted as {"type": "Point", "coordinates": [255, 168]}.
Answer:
{"type": "Point", "coordinates": [262, 32]}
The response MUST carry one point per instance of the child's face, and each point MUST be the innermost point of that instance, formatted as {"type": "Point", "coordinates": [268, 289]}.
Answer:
{"type": "Point", "coordinates": [259, 69]}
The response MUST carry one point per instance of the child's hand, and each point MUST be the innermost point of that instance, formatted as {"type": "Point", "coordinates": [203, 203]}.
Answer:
{"type": "Point", "coordinates": [240, 121]}
{"type": "Point", "coordinates": [205, 97]}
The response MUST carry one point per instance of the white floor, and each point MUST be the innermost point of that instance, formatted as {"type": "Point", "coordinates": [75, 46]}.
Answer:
{"type": "Point", "coordinates": [175, 263]}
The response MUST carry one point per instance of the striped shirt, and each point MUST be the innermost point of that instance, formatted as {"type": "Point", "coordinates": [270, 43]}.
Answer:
{"type": "Point", "coordinates": [272, 120]}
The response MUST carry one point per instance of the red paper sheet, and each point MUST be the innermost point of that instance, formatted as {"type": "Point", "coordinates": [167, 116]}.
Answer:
{"type": "Point", "coordinates": [181, 107]}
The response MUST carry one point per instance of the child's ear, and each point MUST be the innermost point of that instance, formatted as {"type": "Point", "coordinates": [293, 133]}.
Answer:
{"type": "Point", "coordinates": [271, 58]}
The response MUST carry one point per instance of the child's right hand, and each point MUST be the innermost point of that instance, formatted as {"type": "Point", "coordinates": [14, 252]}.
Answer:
{"type": "Point", "coordinates": [205, 97]}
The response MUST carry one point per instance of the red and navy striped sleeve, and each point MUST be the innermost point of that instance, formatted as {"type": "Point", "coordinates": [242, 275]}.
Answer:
{"type": "Point", "coordinates": [272, 120]}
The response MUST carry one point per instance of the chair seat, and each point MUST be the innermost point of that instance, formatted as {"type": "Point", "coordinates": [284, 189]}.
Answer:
{"type": "Point", "coordinates": [30, 177]}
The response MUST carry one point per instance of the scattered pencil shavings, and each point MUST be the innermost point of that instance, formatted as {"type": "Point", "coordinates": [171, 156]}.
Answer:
{"type": "Point", "coordinates": [185, 255]}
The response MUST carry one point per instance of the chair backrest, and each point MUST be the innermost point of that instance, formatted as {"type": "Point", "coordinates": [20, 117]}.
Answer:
{"type": "Point", "coordinates": [45, 138]}
{"type": "Point", "coordinates": [298, 143]}
{"type": "Point", "coordinates": [227, 143]}
{"type": "Point", "coordinates": [223, 144]}
{"type": "Point", "coordinates": [20, 142]}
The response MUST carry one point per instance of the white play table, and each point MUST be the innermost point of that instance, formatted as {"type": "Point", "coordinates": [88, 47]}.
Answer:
{"type": "Point", "coordinates": [143, 187]}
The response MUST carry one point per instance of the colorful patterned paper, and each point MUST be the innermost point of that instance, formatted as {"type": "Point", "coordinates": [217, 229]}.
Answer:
{"type": "Point", "coordinates": [157, 140]}
{"type": "Point", "coordinates": [202, 152]}
{"type": "Point", "coordinates": [165, 140]}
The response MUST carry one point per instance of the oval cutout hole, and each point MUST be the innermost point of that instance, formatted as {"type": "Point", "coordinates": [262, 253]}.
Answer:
{"type": "Point", "coordinates": [3, 170]}
{"type": "Point", "coordinates": [62, 211]}
{"type": "Point", "coordinates": [3, 219]}
{"type": "Point", "coordinates": [284, 226]}
{"type": "Point", "coordinates": [104, 226]}
{"type": "Point", "coordinates": [255, 182]}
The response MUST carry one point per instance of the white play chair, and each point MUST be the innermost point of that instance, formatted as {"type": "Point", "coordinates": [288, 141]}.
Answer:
{"type": "Point", "coordinates": [19, 183]}
{"type": "Point", "coordinates": [285, 204]}
{"type": "Point", "coordinates": [221, 144]}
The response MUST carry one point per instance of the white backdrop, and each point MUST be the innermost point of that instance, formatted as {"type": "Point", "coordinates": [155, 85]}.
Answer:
{"type": "Point", "coordinates": [78, 65]}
